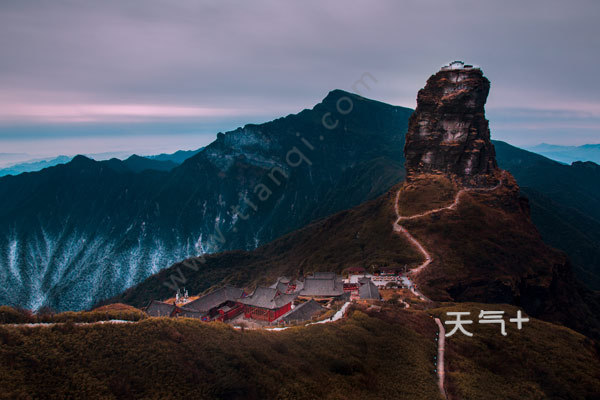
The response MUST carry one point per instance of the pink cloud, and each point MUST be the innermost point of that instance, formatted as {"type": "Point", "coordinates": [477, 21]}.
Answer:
{"type": "Point", "coordinates": [90, 112]}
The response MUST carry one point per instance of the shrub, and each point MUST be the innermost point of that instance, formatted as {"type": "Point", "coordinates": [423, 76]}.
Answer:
{"type": "Point", "coordinates": [9, 315]}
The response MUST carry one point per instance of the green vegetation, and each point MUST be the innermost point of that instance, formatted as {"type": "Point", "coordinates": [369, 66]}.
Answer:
{"type": "Point", "coordinates": [426, 193]}
{"type": "Point", "coordinates": [9, 315]}
{"type": "Point", "coordinates": [487, 250]}
{"type": "Point", "coordinates": [368, 356]}
{"type": "Point", "coordinates": [541, 361]}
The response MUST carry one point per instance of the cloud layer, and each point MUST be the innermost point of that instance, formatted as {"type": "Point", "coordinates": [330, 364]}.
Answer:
{"type": "Point", "coordinates": [138, 61]}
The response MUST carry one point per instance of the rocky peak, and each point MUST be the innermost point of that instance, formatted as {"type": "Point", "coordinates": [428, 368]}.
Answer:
{"type": "Point", "coordinates": [448, 132]}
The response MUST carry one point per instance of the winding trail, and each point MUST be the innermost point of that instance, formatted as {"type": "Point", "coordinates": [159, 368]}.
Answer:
{"type": "Point", "coordinates": [440, 357]}
{"type": "Point", "coordinates": [403, 231]}
{"type": "Point", "coordinates": [428, 259]}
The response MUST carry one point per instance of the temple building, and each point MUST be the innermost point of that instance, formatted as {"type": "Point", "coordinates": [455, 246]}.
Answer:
{"type": "Point", "coordinates": [303, 312]}
{"type": "Point", "coordinates": [267, 304]}
{"type": "Point", "coordinates": [160, 309]}
{"type": "Point", "coordinates": [322, 285]}
{"type": "Point", "coordinates": [220, 305]}
{"type": "Point", "coordinates": [368, 290]}
{"type": "Point", "coordinates": [287, 285]}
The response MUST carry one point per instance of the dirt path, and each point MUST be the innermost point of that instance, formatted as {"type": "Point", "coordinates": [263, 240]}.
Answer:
{"type": "Point", "coordinates": [403, 231]}
{"type": "Point", "coordinates": [440, 357]}
{"type": "Point", "coordinates": [428, 259]}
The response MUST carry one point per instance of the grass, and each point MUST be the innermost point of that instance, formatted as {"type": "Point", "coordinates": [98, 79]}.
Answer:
{"type": "Point", "coordinates": [368, 355]}
{"type": "Point", "coordinates": [489, 251]}
{"type": "Point", "coordinates": [9, 315]}
{"type": "Point", "coordinates": [424, 193]}
{"type": "Point", "coordinates": [541, 361]}
{"type": "Point", "coordinates": [388, 355]}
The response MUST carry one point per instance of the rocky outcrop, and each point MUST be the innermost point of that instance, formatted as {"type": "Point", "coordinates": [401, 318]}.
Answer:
{"type": "Point", "coordinates": [448, 132]}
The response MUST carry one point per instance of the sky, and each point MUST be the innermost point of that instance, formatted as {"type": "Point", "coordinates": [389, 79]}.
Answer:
{"type": "Point", "coordinates": [156, 76]}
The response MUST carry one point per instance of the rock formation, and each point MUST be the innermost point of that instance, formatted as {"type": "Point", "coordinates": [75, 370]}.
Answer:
{"type": "Point", "coordinates": [448, 132]}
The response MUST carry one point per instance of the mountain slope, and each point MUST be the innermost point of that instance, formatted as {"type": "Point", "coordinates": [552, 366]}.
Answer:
{"type": "Point", "coordinates": [463, 217]}
{"type": "Point", "coordinates": [77, 233]}
{"type": "Point", "coordinates": [361, 237]}
{"type": "Point", "coordinates": [487, 250]}
{"type": "Point", "coordinates": [540, 361]}
{"type": "Point", "coordinates": [73, 234]}
{"type": "Point", "coordinates": [565, 205]}
{"type": "Point", "coordinates": [368, 355]}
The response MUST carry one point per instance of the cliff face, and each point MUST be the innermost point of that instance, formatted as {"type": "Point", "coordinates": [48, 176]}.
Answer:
{"type": "Point", "coordinates": [448, 132]}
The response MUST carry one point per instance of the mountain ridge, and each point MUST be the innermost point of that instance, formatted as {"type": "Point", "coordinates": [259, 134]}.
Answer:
{"type": "Point", "coordinates": [482, 247]}
{"type": "Point", "coordinates": [142, 255]}
{"type": "Point", "coordinates": [134, 162]}
{"type": "Point", "coordinates": [79, 232]}
{"type": "Point", "coordinates": [568, 154]}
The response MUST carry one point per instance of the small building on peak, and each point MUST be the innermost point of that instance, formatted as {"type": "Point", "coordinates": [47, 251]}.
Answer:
{"type": "Point", "coordinates": [457, 65]}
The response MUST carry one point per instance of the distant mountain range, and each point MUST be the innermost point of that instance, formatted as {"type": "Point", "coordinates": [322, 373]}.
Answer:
{"type": "Point", "coordinates": [160, 162]}
{"type": "Point", "coordinates": [32, 166]}
{"type": "Point", "coordinates": [568, 154]}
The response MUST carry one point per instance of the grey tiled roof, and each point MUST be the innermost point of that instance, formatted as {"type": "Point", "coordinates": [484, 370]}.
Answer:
{"type": "Point", "coordinates": [324, 275]}
{"type": "Point", "coordinates": [299, 285]}
{"type": "Point", "coordinates": [189, 313]}
{"type": "Point", "coordinates": [215, 299]}
{"type": "Point", "coordinates": [283, 284]}
{"type": "Point", "coordinates": [326, 284]}
{"type": "Point", "coordinates": [282, 287]}
{"type": "Point", "coordinates": [303, 312]}
{"type": "Point", "coordinates": [368, 291]}
{"type": "Point", "coordinates": [364, 280]}
{"type": "Point", "coordinates": [265, 297]}
{"type": "Point", "coordinates": [159, 309]}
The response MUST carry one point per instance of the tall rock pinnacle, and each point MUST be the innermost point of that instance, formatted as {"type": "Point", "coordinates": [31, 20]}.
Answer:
{"type": "Point", "coordinates": [448, 132]}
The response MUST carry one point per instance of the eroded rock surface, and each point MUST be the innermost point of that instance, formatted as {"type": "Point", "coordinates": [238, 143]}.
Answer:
{"type": "Point", "coordinates": [448, 132]}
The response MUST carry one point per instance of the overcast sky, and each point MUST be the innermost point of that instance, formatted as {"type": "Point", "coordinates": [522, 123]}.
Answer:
{"type": "Point", "coordinates": [94, 76]}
